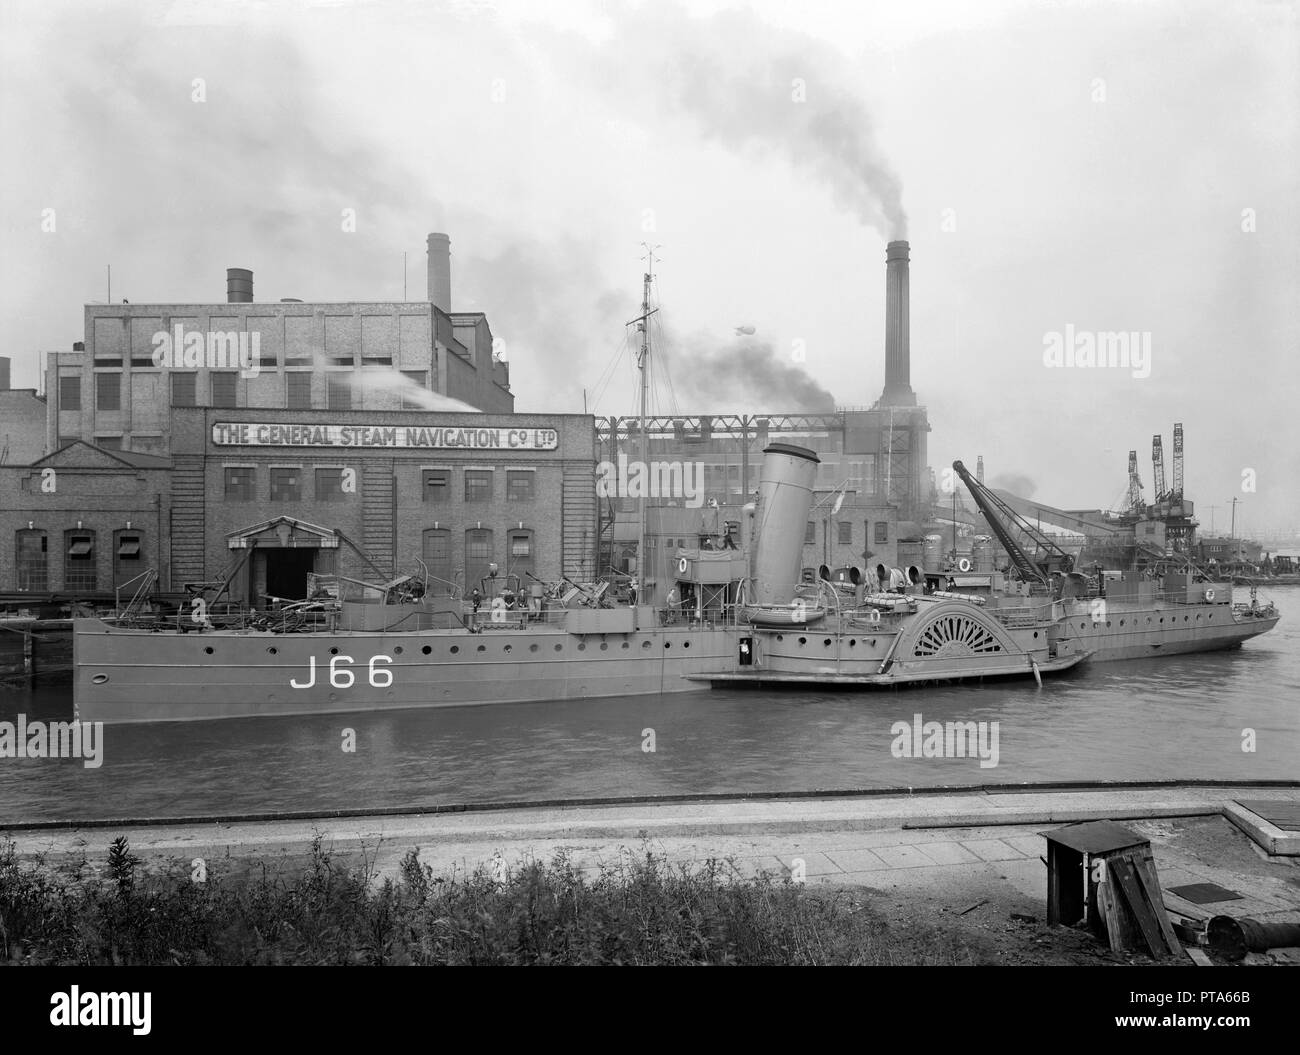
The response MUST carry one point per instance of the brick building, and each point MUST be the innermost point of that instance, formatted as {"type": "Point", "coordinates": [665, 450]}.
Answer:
{"type": "Point", "coordinates": [304, 437]}
{"type": "Point", "coordinates": [280, 494]}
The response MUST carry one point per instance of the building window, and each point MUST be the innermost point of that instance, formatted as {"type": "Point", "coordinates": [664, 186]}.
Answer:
{"type": "Point", "coordinates": [810, 533]}
{"type": "Point", "coordinates": [329, 485]}
{"type": "Point", "coordinates": [108, 391]}
{"type": "Point", "coordinates": [519, 553]}
{"type": "Point", "coordinates": [412, 399]}
{"type": "Point", "coordinates": [79, 564]}
{"type": "Point", "coordinates": [478, 555]}
{"type": "Point", "coordinates": [846, 533]}
{"type": "Point", "coordinates": [32, 564]}
{"type": "Point", "coordinates": [109, 443]}
{"type": "Point", "coordinates": [128, 556]}
{"type": "Point", "coordinates": [65, 440]}
{"type": "Point", "coordinates": [339, 394]}
{"type": "Point", "coordinates": [223, 388]}
{"type": "Point", "coordinates": [298, 391]}
{"type": "Point", "coordinates": [882, 531]}
{"type": "Point", "coordinates": [240, 482]}
{"type": "Point", "coordinates": [437, 483]}
{"type": "Point", "coordinates": [437, 558]}
{"type": "Point", "coordinates": [520, 486]}
{"type": "Point", "coordinates": [183, 390]}
{"type": "Point", "coordinates": [69, 393]}
{"type": "Point", "coordinates": [286, 485]}
{"type": "Point", "coordinates": [478, 485]}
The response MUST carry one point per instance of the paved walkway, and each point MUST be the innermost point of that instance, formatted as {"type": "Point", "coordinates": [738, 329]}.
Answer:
{"type": "Point", "coordinates": [960, 845]}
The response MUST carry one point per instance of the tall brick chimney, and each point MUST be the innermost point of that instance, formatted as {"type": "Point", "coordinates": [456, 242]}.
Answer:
{"type": "Point", "coordinates": [440, 271]}
{"type": "Point", "coordinates": [898, 355]}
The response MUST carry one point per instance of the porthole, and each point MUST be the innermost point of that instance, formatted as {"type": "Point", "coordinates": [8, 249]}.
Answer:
{"type": "Point", "coordinates": [273, 650]}
{"type": "Point", "coordinates": [507, 648]}
{"type": "Point", "coordinates": [455, 649]}
{"type": "Point", "coordinates": [626, 645]}
{"type": "Point", "coordinates": [827, 643]}
{"type": "Point", "coordinates": [668, 644]}
{"type": "Point", "coordinates": [803, 641]}
{"type": "Point", "coordinates": [604, 647]}
{"type": "Point", "coordinates": [208, 651]}
{"type": "Point", "coordinates": [559, 648]}
{"type": "Point", "coordinates": [852, 642]}
{"type": "Point", "coordinates": [1035, 633]}
{"type": "Point", "coordinates": [1108, 622]}
{"type": "Point", "coordinates": [1121, 622]}
{"type": "Point", "coordinates": [582, 646]}
{"type": "Point", "coordinates": [482, 648]}
{"type": "Point", "coordinates": [645, 644]}
{"type": "Point", "coordinates": [532, 648]}
{"type": "Point", "coordinates": [686, 644]}
{"type": "Point", "coordinates": [99, 679]}
{"type": "Point", "coordinates": [427, 650]}
{"type": "Point", "coordinates": [397, 651]}
{"type": "Point", "coordinates": [1083, 626]}
{"type": "Point", "coordinates": [334, 651]}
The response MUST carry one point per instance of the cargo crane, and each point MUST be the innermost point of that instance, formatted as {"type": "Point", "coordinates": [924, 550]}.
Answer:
{"type": "Point", "coordinates": [1035, 568]}
{"type": "Point", "coordinates": [1158, 467]}
{"type": "Point", "coordinates": [1134, 484]}
{"type": "Point", "coordinates": [1176, 494]}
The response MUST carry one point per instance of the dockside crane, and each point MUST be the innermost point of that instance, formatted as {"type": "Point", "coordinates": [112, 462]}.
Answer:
{"type": "Point", "coordinates": [1035, 568]}
{"type": "Point", "coordinates": [1158, 467]}
{"type": "Point", "coordinates": [1177, 493]}
{"type": "Point", "coordinates": [1135, 504]}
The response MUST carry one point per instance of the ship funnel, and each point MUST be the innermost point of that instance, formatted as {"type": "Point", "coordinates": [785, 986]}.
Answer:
{"type": "Point", "coordinates": [780, 521]}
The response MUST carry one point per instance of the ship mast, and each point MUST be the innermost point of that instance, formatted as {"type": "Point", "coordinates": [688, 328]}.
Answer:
{"type": "Point", "coordinates": [643, 362]}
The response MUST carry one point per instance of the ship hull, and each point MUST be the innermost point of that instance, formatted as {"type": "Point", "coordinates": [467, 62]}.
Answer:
{"type": "Point", "coordinates": [1140, 631]}
{"type": "Point", "coordinates": [126, 675]}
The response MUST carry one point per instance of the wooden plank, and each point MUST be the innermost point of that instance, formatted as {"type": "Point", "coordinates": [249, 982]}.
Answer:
{"type": "Point", "coordinates": [1145, 866]}
{"type": "Point", "coordinates": [1199, 958]}
{"type": "Point", "coordinates": [1127, 881]}
{"type": "Point", "coordinates": [1119, 928]}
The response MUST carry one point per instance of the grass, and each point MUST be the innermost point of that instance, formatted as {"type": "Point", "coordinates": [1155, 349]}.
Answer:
{"type": "Point", "coordinates": [643, 910]}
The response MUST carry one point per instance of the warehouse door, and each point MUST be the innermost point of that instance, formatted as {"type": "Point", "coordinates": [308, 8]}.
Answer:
{"type": "Point", "coordinates": [286, 572]}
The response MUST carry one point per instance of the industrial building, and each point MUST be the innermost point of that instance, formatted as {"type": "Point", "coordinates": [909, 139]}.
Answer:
{"type": "Point", "coordinates": [286, 439]}
{"type": "Point", "coordinates": [266, 442]}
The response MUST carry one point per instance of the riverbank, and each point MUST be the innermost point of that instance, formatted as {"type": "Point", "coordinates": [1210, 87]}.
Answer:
{"type": "Point", "coordinates": [932, 878]}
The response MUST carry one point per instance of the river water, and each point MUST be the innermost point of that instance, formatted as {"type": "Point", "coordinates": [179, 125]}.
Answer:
{"type": "Point", "coordinates": [1175, 718]}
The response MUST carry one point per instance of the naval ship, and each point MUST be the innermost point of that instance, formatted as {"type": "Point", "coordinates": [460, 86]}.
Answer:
{"type": "Point", "coordinates": [751, 620]}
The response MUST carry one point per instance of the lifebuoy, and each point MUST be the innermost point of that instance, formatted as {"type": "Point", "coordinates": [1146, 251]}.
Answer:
{"type": "Point", "coordinates": [1209, 595]}
{"type": "Point", "coordinates": [681, 566]}
{"type": "Point", "coordinates": [963, 565]}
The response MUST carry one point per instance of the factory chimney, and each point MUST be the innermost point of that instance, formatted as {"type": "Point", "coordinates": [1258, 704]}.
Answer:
{"type": "Point", "coordinates": [239, 285]}
{"type": "Point", "coordinates": [440, 271]}
{"type": "Point", "coordinates": [898, 389]}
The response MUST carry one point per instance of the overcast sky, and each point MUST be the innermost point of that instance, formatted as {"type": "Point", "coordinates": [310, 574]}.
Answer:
{"type": "Point", "coordinates": [1104, 166]}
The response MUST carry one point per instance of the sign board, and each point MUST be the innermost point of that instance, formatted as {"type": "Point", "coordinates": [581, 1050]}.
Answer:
{"type": "Point", "coordinates": [410, 437]}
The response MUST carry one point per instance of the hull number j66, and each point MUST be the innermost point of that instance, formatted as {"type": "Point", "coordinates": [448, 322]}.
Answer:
{"type": "Point", "coordinates": [342, 676]}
